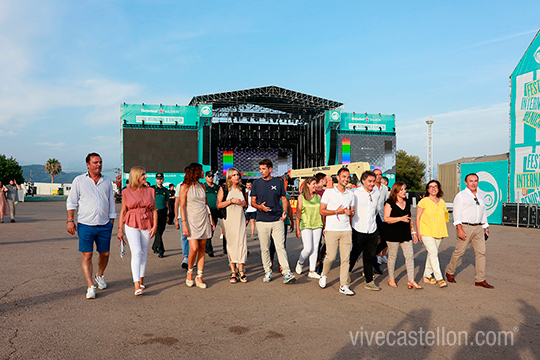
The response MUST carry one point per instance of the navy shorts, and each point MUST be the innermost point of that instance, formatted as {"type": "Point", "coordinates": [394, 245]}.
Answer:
{"type": "Point", "coordinates": [100, 234]}
{"type": "Point", "coordinates": [251, 216]}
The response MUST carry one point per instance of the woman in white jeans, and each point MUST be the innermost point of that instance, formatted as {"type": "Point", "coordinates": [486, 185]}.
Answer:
{"type": "Point", "coordinates": [139, 215]}
{"type": "Point", "coordinates": [431, 222]}
{"type": "Point", "coordinates": [309, 226]}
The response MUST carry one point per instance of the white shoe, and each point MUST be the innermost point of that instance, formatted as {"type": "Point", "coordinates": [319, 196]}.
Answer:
{"type": "Point", "coordinates": [385, 259]}
{"type": "Point", "coordinates": [91, 292]}
{"type": "Point", "coordinates": [101, 284]}
{"type": "Point", "coordinates": [322, 282]}
{"type": "Point", "coordinates": [299, 268]}
{"type": "Point", "coordinates": [267, 277]}
{"type": "Point", "coordinates": [379, 260]}
{"type": "Point", "coordinates": [345, 290]}
{"type": "Point", "coordinates": [314, 275]}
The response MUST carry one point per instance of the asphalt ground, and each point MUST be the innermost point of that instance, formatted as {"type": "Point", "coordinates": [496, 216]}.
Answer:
{"type": "Point", "coordinates": [44, 312]}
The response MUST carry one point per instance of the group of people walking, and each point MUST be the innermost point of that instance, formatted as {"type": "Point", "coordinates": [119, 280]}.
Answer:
{"type": "Point", "coordinates": [348, 220]}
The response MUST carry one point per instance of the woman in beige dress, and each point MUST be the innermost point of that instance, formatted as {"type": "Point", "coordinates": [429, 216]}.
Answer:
{"type": "Point", "coordinates": [231, 200]}
{"type": "Point", "coordinates": [197, 224]}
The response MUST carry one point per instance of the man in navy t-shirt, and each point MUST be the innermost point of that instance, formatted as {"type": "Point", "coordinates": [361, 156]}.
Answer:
{"type": "Point", "coordinates": [265, 195]}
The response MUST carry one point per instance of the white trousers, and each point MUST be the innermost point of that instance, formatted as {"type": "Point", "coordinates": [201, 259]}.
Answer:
{"type": "Point", "coordinates": [311, 239]}
{"type": "Point", "coordinates": [432, 257]}
{"type": "Point", "coordinates": [139, 242]}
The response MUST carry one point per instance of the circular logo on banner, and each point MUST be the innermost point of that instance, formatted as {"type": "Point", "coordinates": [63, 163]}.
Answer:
{"type": "Point", "coordinates": [205, 110]}
{"type": "Point", "coordinates": [335, 116]}
{"type": "Point", "coordinates": [489, 188]}
{"type": "Point", "coordinates": [537, 55]}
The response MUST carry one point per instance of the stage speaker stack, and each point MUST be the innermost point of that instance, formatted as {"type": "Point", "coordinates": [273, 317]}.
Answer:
{"type": "Point", "coordinates": [528, 214]}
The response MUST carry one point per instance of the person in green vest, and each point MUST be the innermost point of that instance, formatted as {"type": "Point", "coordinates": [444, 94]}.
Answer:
{"type": "Point", "coordinates": [162, 200]}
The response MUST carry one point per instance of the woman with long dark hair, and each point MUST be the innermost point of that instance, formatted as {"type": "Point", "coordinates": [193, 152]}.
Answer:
{"type": "Point", "coordinates": [431, 224]}
{"type": "Point", "coordinates": [309, 226]}
{"type": "Point", "coordinates": [197, 223]}
{"type": "Point", "coordinates": [399, 227]}
{"type": "Point", "coordinates": [232, 199]}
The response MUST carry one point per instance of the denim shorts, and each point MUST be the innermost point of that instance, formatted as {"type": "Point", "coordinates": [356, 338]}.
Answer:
{"type": "Point", "coordinates": [100, 234]}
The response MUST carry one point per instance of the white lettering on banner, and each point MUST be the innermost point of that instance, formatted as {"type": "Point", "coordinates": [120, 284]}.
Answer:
{"type": "Point", "coordinates": [532, 162]}
{"type": "Point", "coordinates": [157, 119]}
{"type": "Point", "coordinates": [532, 198]}
{"type": "Point", "coordinates": [372, 127]}
{"type": "Point", "coordinates": [161, 111]}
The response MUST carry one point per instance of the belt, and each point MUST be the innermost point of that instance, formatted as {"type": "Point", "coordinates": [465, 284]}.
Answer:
{"type": "Point", "coordinates": [471, 224]}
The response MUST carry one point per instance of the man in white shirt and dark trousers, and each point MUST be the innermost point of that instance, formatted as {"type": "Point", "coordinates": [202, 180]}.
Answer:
{"type": "Point", "coordinates": [364, 227]}
{"type": "Point", "coordinates": [337, 205]}
{"type": "Point", "coordinates": [470, 219]}
{"type": "Point", "coordinates": [382, 192]}
{"type": "Point", "coordinates": [92, 194]}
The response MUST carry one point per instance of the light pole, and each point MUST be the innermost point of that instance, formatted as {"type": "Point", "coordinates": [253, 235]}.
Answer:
{"type": "Point", "coordinates": [429, 174]}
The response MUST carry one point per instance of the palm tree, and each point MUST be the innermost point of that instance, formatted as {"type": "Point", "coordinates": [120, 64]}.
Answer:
{"type": "Point", "coordinates": [53, 167]}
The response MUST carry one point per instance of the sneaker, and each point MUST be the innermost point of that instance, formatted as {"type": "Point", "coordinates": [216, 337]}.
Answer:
{"type": "Point", "coordinates": [267, 277]}
{"type": "Point", "coordinates": [372, 286]}
{"type": "Point", "coordinates": [101, 284]}
{"type": "Point", "coordinates": [185, 264]}
{"type": "Point", "coordinates": [345, 290]}
{"type": "Point", "coordinates": [322, 282]}
{"type": "Point", "coordinates": [289, 278]}
{"type": "Point", "coordinates": [91, 292]}
{"type": "Point", "coordinates": [380, 259]}
{"type": "Point", "coordinates": [299, 268]}
{"type": "Point", "coordinates": [313, 275]}
{"type": "Point", "coordinates": [385, 259]}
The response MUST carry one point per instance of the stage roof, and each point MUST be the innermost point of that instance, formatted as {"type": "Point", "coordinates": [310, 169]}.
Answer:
{"type": "Point", "coordinates": [271, 97]}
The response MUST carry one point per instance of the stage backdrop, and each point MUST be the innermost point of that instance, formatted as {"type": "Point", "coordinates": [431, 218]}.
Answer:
{"type": "Point", "coordinates": [492, 183]}
{"type": "Point", "coordinates": [524, 127]}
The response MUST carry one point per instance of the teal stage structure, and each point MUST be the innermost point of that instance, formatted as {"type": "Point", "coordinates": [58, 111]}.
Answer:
{"type": "Point", "coordinates": [525, 127]}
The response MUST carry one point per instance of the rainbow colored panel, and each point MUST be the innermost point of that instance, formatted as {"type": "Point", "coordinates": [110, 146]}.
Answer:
{"type": "Point", "coordinates": [228, 161]}
{"type": "Point", "coordinates": [346, 151]}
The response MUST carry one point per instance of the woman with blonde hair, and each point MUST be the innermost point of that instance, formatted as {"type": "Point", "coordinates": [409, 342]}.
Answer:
{"type": "Point", "coordinates": [231, 200]}
{"type": "Point", "coordinates": [431, 224]}
{"type": "Point", "coordinates": [309, 224]}
{"type": "Point", "coordinates": [139, 215]}
{"type": "Point", "coordinates": [197, 223]}
{"type": "Point", "coordinates": [398, 230]}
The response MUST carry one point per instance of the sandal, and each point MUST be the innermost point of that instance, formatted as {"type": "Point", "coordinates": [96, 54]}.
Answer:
{"type": "Point", "coordinates": [200, 283]}
{"type": "Point", "coordinates": [138, 292]}
{"type": "Point", "coordinates": [189, 283]}
{"type": "Point", "coordinates": [413, 284]}
{"type": "Point", "coordinates": [243, 277]}
{"type": "Point", "coordinates": [430, 280]}
{"type": "Point", "coordinates": [442, 283]}
{"type": "Point", "coordinates": [234, 278]}
{"type": "Point", "coordinates": [392, 283]}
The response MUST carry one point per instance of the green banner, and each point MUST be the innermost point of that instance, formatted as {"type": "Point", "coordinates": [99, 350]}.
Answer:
{"type": "Point", "coordinates": [164, 115]}
{"type": "Point", "coordinates": [492, 183]}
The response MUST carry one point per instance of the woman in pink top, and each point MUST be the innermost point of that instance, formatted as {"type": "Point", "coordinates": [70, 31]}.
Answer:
{"type": "Point", "coordinates": [139, 215]}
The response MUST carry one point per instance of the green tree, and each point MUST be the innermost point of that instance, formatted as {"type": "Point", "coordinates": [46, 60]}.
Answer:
{"type": "Point", "coordinates": [10, 169]}
{"type": "Point", "coordinates": [53, 167]}
{"type": "Point", "coordinates": [409, 170]}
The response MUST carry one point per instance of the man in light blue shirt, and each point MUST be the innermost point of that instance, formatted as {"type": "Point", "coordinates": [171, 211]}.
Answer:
{"type": "Point", "coordinates": [92, 194]}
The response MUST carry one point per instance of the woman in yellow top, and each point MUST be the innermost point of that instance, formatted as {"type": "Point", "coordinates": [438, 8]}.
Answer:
{"type": "Point", "coordinates": [431, 222]}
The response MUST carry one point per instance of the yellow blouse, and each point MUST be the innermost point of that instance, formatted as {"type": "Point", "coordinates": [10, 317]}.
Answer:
{"type": "Point", "coordinates": [433, 218]}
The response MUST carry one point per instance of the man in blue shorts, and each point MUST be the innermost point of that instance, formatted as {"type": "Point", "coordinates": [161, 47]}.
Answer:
{"type": "Point", "coordinates": [92, 194]}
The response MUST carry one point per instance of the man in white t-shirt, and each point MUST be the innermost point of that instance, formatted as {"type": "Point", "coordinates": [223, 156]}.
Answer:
{"type": "Point", "coordinates": [364, 224]}
{"type": "Point", "coordinates": [337, 204]}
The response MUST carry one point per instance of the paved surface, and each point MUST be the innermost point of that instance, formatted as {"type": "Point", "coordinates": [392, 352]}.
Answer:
{"type": "Point", "coordinates": [44, 313]}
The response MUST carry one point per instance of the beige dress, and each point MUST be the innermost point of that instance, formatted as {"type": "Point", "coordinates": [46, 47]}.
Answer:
{"type": "Point", "coordinates": [3, 202]}
{"type": "Point", "coordinates": [235, 229]}
{"type": "Point", "coordinates": [197, 218]}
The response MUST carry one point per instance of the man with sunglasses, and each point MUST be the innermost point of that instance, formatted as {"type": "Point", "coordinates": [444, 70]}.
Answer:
{"type": "Point", "coordinates": [470, 219]}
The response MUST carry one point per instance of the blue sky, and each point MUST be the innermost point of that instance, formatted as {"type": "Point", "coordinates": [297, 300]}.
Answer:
{"type": "Point", "coordinates": [66, 66]}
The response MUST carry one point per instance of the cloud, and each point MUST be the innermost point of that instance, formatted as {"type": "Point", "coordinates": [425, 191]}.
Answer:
{"type": "Point", "coordinates": [52, 145]}
{"type": "Point", "coordinates": [9, 133]}
{"type": "Point", "coordinates": [500, 39]}
{"type": "Point", "coordinates": [462, 133]}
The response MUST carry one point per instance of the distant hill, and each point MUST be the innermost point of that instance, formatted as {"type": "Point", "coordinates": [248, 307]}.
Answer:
{"type": "Point", "coordinates": [39, 174]}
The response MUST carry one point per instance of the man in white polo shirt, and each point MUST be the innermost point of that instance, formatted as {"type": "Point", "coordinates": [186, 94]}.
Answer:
{"type": "Point", "coordinates": [92, 194]}
{"type": "Point", "coordinates": [364, 232]}
{"type": "Point", "coordinates": [337, 205]}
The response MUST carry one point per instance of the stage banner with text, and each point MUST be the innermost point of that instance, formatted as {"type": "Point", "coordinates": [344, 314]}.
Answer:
{"type": "Point", "coordinates": [492, 183]}
{"type": "Point", "coordinates": [164, 115]}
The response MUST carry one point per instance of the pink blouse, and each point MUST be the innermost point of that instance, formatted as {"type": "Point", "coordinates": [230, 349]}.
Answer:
{"type": "Point", "coordinates": [139, 208]}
